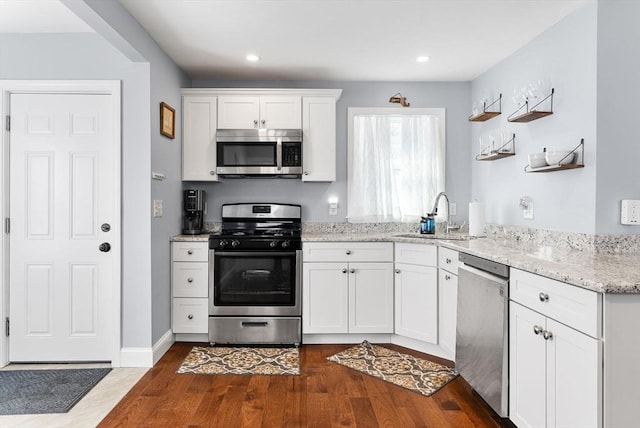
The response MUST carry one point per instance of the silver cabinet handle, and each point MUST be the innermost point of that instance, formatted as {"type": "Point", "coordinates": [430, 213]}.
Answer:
{"type": "Point", "coordinates": [348, 252]}
{"type": "Point", "coordinates": [189, 252]}
{"type": "Point", "coordinates": [537, 329]}
{"type": "Point", "coordinates": [547, 335]}
{"type": "Point", "coordinates": [448, 261]}
{"type": "Point", "coordinates": [544, 297]}
{"type": "Point", "coordinates": [190, 316]}
{"type": "Point", "coordinates": [397, 270]}
{"type": "Point", "coordinates": [352, 270]}
{"type": "Point", "coordinates": [255, 122]}
{"type": "Point", "coordinates": [306, 173]}
{"type": "Point", "coordinates": [344, 270]}
{"type": "Point", "coordinates": [189, 279]}
{"type": "Point", "coordinates": [447, 277]}
{"type": "Point", "coordinates": [263, 121]}
{"type": "Point", "coordinates": [212, 172]}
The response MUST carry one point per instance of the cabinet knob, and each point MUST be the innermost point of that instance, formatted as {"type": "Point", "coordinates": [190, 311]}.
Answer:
{"type": "Point", "coordinates": [255, 123]}
{"type": "Point", "coordinates": [448, 261]}
{"type": "Point", "coordinates": [189, 252]}
{"type": "Point", "coordinates": [352, 270]}
{"type": "Point", "coordinates": [212, 172]}
{"type": "Point", "coordinates": [447, 277]}
{"type": "Point", "coordinates": [544, 297]}
{"type": "Point", "coordinates": [344, 270]}
{"type": "Point", "coordinates": [348, 252]}
{"type": "Point", "coordinates": [547, 335]}
{"type": "Point", "coordinates": [306, 173]}
{"type": "Point", "coordinates": [537, 329]}
{"type": "Point", "coordinates": [263, 122]}
{"type": "Point", "coordinates": [189, 279]}
{"type": "Point", "coordinates": [190, 316]}
{"type": "Point", "coordinates": [397, 270]}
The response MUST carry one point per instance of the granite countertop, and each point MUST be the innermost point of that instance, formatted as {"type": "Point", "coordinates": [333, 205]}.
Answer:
{"type": "Point", "coordinates": [600, 272]}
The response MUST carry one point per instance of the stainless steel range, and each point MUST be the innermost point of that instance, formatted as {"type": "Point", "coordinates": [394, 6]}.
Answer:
{"type": "Point", "coordinates": [255, 268]}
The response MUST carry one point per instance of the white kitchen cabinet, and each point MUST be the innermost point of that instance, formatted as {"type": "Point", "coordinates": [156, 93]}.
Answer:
{"type": "Point", "coordinates": [259, 112]}
{"type": "Point", "coordinates": [416, 292]}
{"type": "Point", "coordinates": [199, 123]}
{"type": "Point", "coordinates": [347, 288]}
{"type": "Point", "coordinates": [447, 300]}
{"type": "Point", "coordinates": [555, 370]}
{"type": "Point", "coordinates": [189, 287]}
{"type": "Point", "coordinates": [318, 139]}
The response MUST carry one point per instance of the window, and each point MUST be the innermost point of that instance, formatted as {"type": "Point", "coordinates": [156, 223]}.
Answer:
{"type": "Point", "coordinates": [396, 163]}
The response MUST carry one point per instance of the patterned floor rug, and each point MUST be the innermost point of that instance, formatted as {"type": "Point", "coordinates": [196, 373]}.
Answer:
{"type": "Point", "coordinates": [416, 374]}
{"type": "Point", "coordinates": [241, 361]}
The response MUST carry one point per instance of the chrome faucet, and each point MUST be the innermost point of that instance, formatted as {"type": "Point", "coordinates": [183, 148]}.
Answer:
{"type": "Point", "coordinates": [434, 210]}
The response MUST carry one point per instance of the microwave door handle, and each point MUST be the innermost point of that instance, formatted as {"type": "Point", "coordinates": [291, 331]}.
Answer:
{"type": "Point", "coordinates": [279, 153]}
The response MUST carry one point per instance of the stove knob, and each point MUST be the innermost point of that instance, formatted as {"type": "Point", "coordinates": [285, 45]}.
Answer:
{"type": "Point", "coordinates": [235, 243]}
{"type": "Point", "coordinates": [273, 244]}
{"type": "Point", "coordinates": [222, 243]}
{"type": "Point", "coordinates": [286, 244]}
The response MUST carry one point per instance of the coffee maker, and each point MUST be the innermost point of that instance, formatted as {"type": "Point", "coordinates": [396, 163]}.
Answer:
{"type": "Point", "coordinates": [193, 202]}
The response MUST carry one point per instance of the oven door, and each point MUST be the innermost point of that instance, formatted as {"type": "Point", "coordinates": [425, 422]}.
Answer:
{"type": "Point", "coordinates": [255, 283]}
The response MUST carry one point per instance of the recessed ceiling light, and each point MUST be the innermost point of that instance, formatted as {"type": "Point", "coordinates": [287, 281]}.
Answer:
{"type": "Point", "coordinates": [422, 58]}
{"type": "Point", "coordinates": [252, 58]}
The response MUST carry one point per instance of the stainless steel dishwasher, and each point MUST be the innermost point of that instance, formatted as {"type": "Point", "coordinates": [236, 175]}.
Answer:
{"type": "Point", "coordinates": [482, 333]}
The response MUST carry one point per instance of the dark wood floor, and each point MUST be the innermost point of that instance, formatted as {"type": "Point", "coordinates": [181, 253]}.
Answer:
{"type": "Point", "coordinates": [324, 395]}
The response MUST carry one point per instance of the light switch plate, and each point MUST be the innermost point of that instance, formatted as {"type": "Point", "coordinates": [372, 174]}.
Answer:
{"type": "Point", "coordinates": [453, 208]}
{"type": "Point", "coordinates": [630, 212]}
{"type": "Point", "coordinates": [527, 213]}
{"type": "Point", "coordinates": [157, 208]}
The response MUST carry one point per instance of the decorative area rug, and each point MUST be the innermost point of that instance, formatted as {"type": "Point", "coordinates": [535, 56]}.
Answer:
{"type": "Point", "coordinates": [242, 361]}
{"type": "Point", "coordinates": [30, 392]}
{"type": "Point", "coordinates": [416, 374]}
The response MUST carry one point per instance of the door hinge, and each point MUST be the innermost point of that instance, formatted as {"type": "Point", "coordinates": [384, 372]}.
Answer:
{"type": "Point", "coordinates": [7, 123]}
{"type": "Point", "coordinates": [7, 323]}
{"type": "Point", "coordinates": [7, 225]}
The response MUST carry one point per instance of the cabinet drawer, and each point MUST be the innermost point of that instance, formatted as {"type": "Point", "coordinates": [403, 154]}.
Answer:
{"type": "Point", "coordinates": [416, 254]}
{"type": "Point", "coordinates": [448, 260]}
{"type": "Point", "coordinates": [189, 279]}
{"type": "Point", "coordinates": [190, 251]}
{"type": "Point", "coordinates": [347, 252]}
{"type": "Point", "coordinates": [190, 315]}
{"type": "Point", "coordinates": [574, 306]}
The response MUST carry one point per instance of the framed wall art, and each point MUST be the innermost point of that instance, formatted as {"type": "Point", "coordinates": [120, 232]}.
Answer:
{"type": "Point", "coordinates": [167, 120]}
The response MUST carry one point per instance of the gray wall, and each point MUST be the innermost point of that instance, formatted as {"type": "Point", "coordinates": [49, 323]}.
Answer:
{"type": "Point", "coordinates": [454, 97]}
{"type": "Point", "coordinates": [618, 92]}
{"type": "Point", "coordinates": [564, 200]}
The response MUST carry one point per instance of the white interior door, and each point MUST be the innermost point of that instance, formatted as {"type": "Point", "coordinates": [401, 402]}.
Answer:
{"type": "Point", "coordinates": [62, 208]}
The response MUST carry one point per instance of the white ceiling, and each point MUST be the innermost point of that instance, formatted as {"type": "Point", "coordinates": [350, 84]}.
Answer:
{"type": "Point", "coordinates": [358, 40]}
{"type": "Point", "coordinates": [39, 16]}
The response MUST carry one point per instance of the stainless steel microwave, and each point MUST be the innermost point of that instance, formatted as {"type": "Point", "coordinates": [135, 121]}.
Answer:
{"type": "Point", "coordinates": [254, 152]}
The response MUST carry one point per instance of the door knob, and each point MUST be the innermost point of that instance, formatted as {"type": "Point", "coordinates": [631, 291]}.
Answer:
{"type": "Point", "coordinates": [105, 247]}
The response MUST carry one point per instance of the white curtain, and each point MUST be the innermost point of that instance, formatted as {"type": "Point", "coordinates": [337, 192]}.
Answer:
{"type": "Point", "coordinates": [397, 167]}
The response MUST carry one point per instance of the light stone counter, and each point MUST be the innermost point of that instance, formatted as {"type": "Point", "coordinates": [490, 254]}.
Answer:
{"type": "Point", "coordinates": [191, 238]}
{"type": "Point", "coordinates": [604, 273]}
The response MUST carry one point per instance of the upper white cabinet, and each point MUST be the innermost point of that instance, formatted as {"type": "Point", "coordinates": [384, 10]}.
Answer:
{"type": "Point", "coordinates": [209, 109]}
{"type": "Point", "coordinates": [199, 138]}
{"type": "Point", "coordinates": [259, 112]}
{"type": "Point", "coordinates": [319, 139]}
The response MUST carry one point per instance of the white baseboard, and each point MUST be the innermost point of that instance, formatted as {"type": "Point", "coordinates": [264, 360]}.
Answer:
{"type": "Point", "coordinates": [146, 357]}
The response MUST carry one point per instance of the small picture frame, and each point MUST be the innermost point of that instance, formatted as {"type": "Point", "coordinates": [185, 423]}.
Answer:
{"type": "Point", "coordinates": [167, 120]}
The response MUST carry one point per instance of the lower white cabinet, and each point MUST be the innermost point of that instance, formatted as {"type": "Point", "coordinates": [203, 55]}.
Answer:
{"type": "Point", "coordinates": [354, 296]}
{"type": "Point", "coordinates": [189, 287]}
{"type": "Point", "coordinates": [555, 370]}
{"type": "Point", "coordinates": [416, 292]}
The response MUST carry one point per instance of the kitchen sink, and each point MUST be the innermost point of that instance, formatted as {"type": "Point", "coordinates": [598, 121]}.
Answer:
{"type": "Point", "coordinates": [450, 236]}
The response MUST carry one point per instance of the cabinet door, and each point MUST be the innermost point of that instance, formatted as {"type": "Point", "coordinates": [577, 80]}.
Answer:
{"type": "Point", "coordinates": [190, 279]}
{"type": "Point", "coordinates": [281, 112]}
{"type": "Point", "coordinates": [527, 371]}
{"type": "Point", "coordinates": [416, 302]}
{"type": "Point", "coordinates": [199, 138]}
{"type": "Point", "coordinates": [238, 112]}
{"type": "Point", "coordinates": [370, 297]}
{"type": "Point", "coordinates": [573, 378]}
{"type": "Point", "coordinates": [325, 298]}
{"type": "Point", "coordinates": [190, 315]}
{"type": "Point", "coordinates": [447, 306]}
{"type": "Point", "coordinates": [318, 139]}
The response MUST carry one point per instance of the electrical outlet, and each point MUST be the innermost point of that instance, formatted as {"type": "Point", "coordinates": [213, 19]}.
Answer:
{"type": "Point", "coordinates": [630, 212]}
{"type": "Point", "coordinates": [157, 208]}
{"type": "Point", "coordinates": [527, 213]}
{"type": "Point", "coordinates": [453, 208]}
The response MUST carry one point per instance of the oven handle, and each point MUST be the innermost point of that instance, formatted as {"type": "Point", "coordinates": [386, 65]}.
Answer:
{"type": "Point", "coordinates": [254, 253]}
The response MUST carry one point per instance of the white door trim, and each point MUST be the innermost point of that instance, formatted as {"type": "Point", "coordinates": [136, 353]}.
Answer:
{"type": "Point", "coordinates": [110, 87]}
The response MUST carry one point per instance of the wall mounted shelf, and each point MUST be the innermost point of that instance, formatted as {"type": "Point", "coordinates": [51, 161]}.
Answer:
{"type": "Point", "coordinates": [532, 113]}
{"type": "Point", "coordinates": [579, 162]}
{"type": "Point", "coordinates": [486, 115]}
{"type": "Point", "coordinates": [500, 152]}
